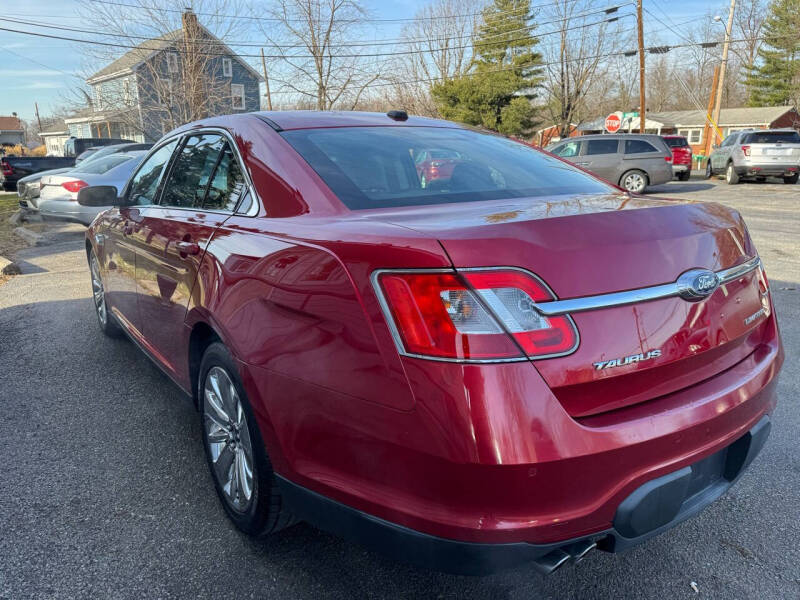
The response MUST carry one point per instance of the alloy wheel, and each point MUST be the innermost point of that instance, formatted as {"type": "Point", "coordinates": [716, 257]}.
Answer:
{"type": "Point", "coordinates": [634, 182]}
{"type": "Point", "coordinates": [228, 439]}
{"type": "Point", "coordinates": [98, 291]}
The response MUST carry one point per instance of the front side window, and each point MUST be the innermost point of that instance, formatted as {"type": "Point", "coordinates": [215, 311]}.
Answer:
{"type": "Point", "coordinates": [568, 150]}
{"type": "Point", "coordinates": [638, 147]}
{"type": "Point", "coordinates": [373, 167]}
{"type": "Point", "coordinates": [602, 146]}
{"type": "Point", "coordinates": [237, 96]}
{"type": "Point", "coordinates": [192, 170]}
{"type": "Point", "coordinates": [143, 186]}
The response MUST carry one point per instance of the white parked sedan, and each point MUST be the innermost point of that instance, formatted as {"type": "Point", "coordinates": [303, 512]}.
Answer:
{"type": "Point", "coordinates": [58, 195]}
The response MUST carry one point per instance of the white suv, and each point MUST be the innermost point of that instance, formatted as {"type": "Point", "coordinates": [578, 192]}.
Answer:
{"type": "Point", "coordinates": [757, 153]}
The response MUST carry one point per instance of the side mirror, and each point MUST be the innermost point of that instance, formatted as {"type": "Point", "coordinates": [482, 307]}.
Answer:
{"type": "Point", "coordinates": [99, 195]}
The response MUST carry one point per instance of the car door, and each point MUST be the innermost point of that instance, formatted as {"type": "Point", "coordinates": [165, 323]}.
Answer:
{"type": "Point", "coordinates": [198, 195]}
{"type": "Point", "coordinates": [601, 157]}
{"type": "Point", "coordinates": [122, 232]}
{"type": "Point", "coordinates": [719, 159]}
{"type": "Point", "coordinates": [570, 151]}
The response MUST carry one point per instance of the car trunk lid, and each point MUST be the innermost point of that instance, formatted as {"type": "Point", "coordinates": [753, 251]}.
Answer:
{"type": "Point", "coordinates": [584, 246]}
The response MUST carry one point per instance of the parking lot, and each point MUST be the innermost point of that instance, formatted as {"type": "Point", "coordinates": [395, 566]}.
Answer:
{"type": "Point", "coordinates": [107, 494]}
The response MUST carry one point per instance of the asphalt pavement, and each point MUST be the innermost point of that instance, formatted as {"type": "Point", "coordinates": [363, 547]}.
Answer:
{"type": "Point", "coordinates": [106, 494]}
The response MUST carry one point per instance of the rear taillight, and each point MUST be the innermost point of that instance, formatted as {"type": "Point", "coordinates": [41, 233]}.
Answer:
{"type": "Point", "coordinates": [668, 158]}
{"type": "Point", "coordinates": [7, 168]}
{"type": "Point", "coordinates": [481, 315]}
{"type": "Point", "coordinates": [746, 150]}
{"type": "Point", "coordinates": [74, 186]}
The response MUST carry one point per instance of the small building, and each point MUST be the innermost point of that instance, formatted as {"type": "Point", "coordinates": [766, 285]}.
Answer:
{"type": "Point", "coordinates": [691, 123]}
{"type": "Point", "coordinates": [141, 95]}
{"type": "Point", "coordinates": [54, 141]}
{"type": "Point", "coordinates": [551, 134]}
{"type": "Point", "coordinates": [11, 131]}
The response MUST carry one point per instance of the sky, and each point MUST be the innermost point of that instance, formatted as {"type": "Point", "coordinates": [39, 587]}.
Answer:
{"type": "Point", "coordinates": [34, 69]}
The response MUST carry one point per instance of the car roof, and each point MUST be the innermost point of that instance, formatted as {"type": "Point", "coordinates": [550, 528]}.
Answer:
{"type": "Point", "coordinates": [309, 119]}
{"type": "Point", "coordinates": [594, 136]}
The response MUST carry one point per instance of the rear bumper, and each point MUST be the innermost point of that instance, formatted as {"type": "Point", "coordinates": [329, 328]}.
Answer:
{"type": "Point", "coordinates": [650, 509]}
{"type": "Point", "coordinates": [767, 169]}
{"type": "Point", "coordinates": [680, 168]}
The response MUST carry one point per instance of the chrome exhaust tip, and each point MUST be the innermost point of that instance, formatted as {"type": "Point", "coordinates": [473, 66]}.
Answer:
{"type": "Point", "coordinates": [552, 561]}
{"type": "Point", "coordinates": [579, 550]}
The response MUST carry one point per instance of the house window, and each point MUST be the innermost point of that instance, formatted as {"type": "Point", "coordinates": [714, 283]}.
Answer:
{"type": "Point", "coordinates": [694, 136]}
{"type": "Point", "coordinates": [237, 96]}
{"type": "Point", "coordinates": [98, 97]}
{"type": "Point", "coordinates": [172, 62]}
{"type": "Point", "coordinates": [126, 90]}
{"type": "Point", "coordinates": [227, 67]}
{"type": "Point", "coordinates": [165, 92]}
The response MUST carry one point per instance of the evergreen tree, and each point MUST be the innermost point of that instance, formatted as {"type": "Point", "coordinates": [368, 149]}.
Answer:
{"type": "Point", "coordinates": [775, 79]}
{"type": "Point", "coordinates": [502, 79]}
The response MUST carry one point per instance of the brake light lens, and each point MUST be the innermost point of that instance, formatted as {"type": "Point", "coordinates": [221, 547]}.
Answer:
{"type": "Point", "coordinates": [746, 150]}
{"type": "Point", "coordinates": [474, 315]}
{"type": "Point", "coordinates": [7, 168]}
{"type": "Point", "coordinates": [74, 186]}
{"type": "Point", "coordinates": [668, 158]}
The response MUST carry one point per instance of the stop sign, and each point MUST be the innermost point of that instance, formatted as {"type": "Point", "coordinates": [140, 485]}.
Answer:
{"type": "Point", "coordinates": [613, 123]}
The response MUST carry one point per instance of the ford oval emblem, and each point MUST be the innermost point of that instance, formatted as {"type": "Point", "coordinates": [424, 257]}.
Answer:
{"type": "Point", "coordinates": [697, 284]}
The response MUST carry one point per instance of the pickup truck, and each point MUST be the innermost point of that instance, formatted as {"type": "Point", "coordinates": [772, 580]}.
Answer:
{"type": "Point", "coordinates": [13, 168]}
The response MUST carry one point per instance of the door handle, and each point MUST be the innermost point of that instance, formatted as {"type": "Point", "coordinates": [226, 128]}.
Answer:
{"type": "Point", "coordinates": [187, 248]}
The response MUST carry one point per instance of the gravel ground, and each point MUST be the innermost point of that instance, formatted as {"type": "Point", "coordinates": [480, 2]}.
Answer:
{"type": "Point", "coordinates": [106, 493]}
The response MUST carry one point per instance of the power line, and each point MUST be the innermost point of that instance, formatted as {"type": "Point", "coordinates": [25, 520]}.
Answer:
{"type": "Point", "coordinates": [380, 42]}
{"type": "Point", "coordinates": [273, 19]}
{"type": "Point", "coordinates": [295, 56]}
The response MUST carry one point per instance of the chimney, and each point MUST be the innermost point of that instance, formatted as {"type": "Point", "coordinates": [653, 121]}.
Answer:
{"type": "Point", "coordinates": [190, 25]}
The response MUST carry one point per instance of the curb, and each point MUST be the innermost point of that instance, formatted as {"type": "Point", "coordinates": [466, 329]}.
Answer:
{"type": "Point", "coordinates": [31, 237]}
{"type": "Point", "coordinates": [8, 267]}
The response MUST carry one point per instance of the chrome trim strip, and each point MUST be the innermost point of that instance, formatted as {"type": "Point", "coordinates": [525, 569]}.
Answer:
{"type": "Point", "coordinates": [666, 290]}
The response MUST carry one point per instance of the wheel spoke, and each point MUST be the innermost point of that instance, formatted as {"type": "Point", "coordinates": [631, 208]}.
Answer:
{"type": "Point", "coordinates": [223, 465]}
{"type": "Point", "coordinates": [245, 474]}
{"type": "Point", "coordinates": [217, 413]}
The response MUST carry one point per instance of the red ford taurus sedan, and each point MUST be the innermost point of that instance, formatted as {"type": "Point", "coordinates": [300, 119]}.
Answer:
{"type": "Point", "coordinates": [518, 364]}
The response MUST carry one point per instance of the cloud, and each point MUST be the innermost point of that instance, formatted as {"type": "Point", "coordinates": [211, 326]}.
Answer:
{"type": "Point", "coordinates": [15, 45]}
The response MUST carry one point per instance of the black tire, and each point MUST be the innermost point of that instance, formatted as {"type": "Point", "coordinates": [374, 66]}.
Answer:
{"type": "Point", "coordinates": [731, 178]}
{"type": "Point", "coordinates": [266, 511]}
{"type": "Point", "coordinates": [791, 179]}
{"type": "Point", "coordinates": [709, 170]}
{"type": "Point", "coordinates": [105, 318]}
{"type": "Point", "coordinates": [684, 176]}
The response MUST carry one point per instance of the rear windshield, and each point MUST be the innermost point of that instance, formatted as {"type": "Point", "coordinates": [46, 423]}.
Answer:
{"type": "Point", "coordinates": [106, 163]}
{"type": "Point", "coordinates": [772, 137]}
{"type": "Point", "coordinates": [377, 167]}
{"type": "Point", "coordinates": [676, 142]}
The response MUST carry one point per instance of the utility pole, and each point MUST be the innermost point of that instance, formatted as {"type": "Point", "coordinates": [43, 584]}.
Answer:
{"type": "Point", "coordinates": [718, 102]}
{"type": "Point", "coordinates": [707, 127]}
{"type": "Point", "coordinates": [38, 120]}
{"type": "Point", "coordinates": [642, 108]}
{"type": "Point", "coordinates": [266, 80]}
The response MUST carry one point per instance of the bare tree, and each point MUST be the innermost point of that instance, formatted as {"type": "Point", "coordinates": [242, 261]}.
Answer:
{"type": "Point", "coordinates": [437, 47]}
{"type": "Point", "coordinates": [315, 61]}
{"type": "Point", "coordinates": [577, 60]}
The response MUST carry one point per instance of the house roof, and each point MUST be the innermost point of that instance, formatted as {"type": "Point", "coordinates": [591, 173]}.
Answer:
{"type": "Point", "coordinates": [140, 53]}
{"type": "Point", "coordinates": [749, 115]}
{"type": "Point", "coordinates": [10, 124]}
{"type": "Point", "coordinates": [132, 58]}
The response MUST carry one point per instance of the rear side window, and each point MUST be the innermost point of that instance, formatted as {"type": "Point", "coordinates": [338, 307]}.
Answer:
{"type": "Point", "coordinates": [227, 184]}
{"type": "Point", "coordinates": [639, 147]}
{"type": "Point", "coordinates": [676, 142]}
{"type": "Point", "coordinates": [192, 170]}
{"type": "Point", "coordinates": [602, 146]}
{"type": "Point", "coordinates": [772, 137]}
{"type": "Point", "coordinates": [144, 184]}
{"type": "Point", "coordinates": [374, 167]}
